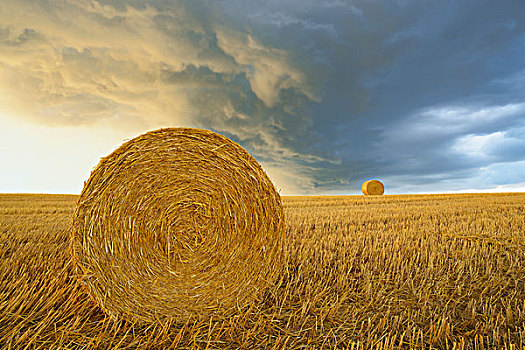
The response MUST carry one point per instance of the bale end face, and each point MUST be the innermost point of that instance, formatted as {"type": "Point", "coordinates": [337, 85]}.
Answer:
{"type": "Point", "coordinates": [373, 188]}
{"type": "Point", "coordinates": [177, 223]}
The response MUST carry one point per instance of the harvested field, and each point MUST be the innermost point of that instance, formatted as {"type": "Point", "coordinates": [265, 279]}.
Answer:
{"type": "Point", "coordinates": [414, 271]}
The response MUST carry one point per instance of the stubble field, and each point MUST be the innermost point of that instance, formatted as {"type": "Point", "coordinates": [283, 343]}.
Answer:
{"type": "Point", "coordinates": [414, 271]}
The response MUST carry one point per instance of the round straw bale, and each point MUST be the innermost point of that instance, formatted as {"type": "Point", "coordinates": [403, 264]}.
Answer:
{"type": "Point", "coordinates": [372, 188]}
{"type": "Point", "coordinates": [177, 224]}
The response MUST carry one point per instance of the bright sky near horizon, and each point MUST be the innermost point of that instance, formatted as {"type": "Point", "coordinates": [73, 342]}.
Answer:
{"type": "Point", "coordinates": [427, 96]}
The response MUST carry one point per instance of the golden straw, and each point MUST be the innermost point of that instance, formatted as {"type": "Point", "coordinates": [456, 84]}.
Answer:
{"type": "Point", "coordinates": [177, 223]}
{"type": "Point", "coordinates": [373, 188]}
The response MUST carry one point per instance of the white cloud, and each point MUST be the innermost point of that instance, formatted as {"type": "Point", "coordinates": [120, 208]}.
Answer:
{"type": "Point", "coordinates": [496, 177]}
{"type": "Point", "coordinates": [478, 146]}
{"type": "Point", "coordinates": [460, 119]}
{"type": "Point", "coordinates": [503, 173]}
{"type": "Point", "coordinates": [494, 147]}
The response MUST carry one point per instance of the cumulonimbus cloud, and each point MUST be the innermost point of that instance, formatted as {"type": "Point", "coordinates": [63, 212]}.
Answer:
{"type": "Point", "coordinates": [324, 93]}
{"type": "Point", "coordinates": [154, 63]}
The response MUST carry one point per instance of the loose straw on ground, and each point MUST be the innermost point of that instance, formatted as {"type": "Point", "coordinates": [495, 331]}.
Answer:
{"type": "Point", "coordinates": [177, 223]}
{"type": "Point", "coordinates": [373, 188]}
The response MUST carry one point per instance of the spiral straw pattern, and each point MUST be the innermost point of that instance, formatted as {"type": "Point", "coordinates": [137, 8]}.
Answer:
{"type": "Point", "coordinates": [177, 223]}
{"type": "Point", "coordinates": [373, 188]}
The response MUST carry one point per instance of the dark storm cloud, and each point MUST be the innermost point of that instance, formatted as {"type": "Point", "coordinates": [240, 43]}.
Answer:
{"type": "Point", "coordinates": [325, 93]}
{"type": "Point", "coordinates": [408, 88]}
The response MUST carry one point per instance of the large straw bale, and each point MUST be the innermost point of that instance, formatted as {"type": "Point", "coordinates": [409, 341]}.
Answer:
{"type": "Point", "coordinates": [177, 223]}
{"type": "Point", "coordinates": [373, 188]}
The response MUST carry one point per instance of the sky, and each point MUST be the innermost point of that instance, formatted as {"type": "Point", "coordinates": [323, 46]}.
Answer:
{"type": "Point", "coordinates": [427, 96]}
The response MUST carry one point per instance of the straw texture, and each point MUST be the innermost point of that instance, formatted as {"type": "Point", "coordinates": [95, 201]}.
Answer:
{"type": "Point", "coordinates": [373, 188]}
{"type": "Point", "coordinates": [177, 223]}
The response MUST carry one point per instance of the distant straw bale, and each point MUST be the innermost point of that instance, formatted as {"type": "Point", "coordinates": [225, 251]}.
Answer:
{"type": "Point", "coordinates": [177, 223]}
{"type": "Point", "coordinates": [373, 188]}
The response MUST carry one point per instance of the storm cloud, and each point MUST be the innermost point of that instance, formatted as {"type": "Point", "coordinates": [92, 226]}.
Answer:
{"type": "Point", "coordinates": [427, 96]}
